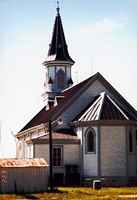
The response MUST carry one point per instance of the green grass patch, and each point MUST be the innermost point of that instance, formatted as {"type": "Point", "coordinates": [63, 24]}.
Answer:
{"type": "Point", "coordinates": [79, 193]}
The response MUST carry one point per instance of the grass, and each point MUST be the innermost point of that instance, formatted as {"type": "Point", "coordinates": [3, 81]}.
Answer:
{"type": "Point", "coordinates": [79, 193]}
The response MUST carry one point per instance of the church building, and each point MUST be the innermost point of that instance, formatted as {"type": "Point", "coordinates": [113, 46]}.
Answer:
{"type": "Point", "coordinates": [94, 129]}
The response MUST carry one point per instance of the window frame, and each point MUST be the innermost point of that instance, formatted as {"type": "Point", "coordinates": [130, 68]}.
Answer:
{"type": "Point", "coordinates": [61, 160]}
{"type": "Point", "coordinates": [88, 131]}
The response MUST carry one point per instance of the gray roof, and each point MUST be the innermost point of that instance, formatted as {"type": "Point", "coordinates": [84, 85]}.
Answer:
{"type": "Point", "coordinates": [58, 50]}
{"type": "Point", "coordinates": [68, 95]}
{"type": "Point", "coordinates": [103, 108]}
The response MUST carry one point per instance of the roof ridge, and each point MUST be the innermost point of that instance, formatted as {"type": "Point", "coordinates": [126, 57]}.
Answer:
{"type": "Point", "coordinates": [115, 104]}
{"type": "Point", "coordinates": [103, 94]}
{"type": "Point", "coordinates": [119, 96]}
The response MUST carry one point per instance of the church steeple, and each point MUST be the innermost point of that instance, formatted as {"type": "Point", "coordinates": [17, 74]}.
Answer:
{"type": "Point", "coordinates": [58, 50]}
{"type": "Point", "coordinates": [58, 62]}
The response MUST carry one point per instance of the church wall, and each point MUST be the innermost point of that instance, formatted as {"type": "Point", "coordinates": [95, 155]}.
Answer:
{"type": "Point", "coordinates": [71, 153]}
{"type": "Point", "coordinates": [41, 151]}
{"type": "Point", "coordinates": [90, 160]}
{"type": "Point", "coordinates": [113, 151]}
{"type": "Point", "coordinates": [131, 165]}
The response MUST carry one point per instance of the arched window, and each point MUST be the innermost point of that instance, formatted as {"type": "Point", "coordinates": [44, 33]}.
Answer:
{"type": "Point", "coordinates": [130, 142]}
{"type": "Point", "coordinates": [60, 79]}
{"type": "Point", "coordinates": [90, 141]}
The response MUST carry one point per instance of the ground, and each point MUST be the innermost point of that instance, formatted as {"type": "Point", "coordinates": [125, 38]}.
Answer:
{"type": "Point", "coordinates": [69, 193]}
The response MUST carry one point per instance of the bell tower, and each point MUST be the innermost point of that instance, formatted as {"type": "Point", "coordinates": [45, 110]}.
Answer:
{"type": "Point", "coordinates": [57, 64]}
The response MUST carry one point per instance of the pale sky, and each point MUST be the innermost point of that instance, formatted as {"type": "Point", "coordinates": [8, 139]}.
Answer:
{"type": "Point", "coordinates": [101, 36]}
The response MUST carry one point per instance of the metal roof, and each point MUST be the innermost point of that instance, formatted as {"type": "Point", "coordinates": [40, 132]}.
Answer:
{"type": "Point", "coordinates": [58, 50]}
{"type": "Point", "coordinates": [56, 135]}
{"type": "Point", "coordinates": [103, 108]}
{"type": "Point", "coordinates": [43, 116]}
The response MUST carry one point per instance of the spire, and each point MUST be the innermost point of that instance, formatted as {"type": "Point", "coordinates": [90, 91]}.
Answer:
{"type": "Point", "coordinates": [58, 63]}
{"type": "Point", "coordinates": [58, 50]}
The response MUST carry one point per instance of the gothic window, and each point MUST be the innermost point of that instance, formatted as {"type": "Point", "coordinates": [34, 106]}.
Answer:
{"type": "Point", "coordinates": [57, 156]}
{"type": "Point", "coordinates": [90, 141]}
{"type": "Point", "coordinates": [60, 79]}
{"type": "Point", "coordinates": [130, 142]}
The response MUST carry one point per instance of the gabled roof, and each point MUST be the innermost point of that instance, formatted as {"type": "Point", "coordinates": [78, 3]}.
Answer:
{"type": "Point", "coordinates": [44, 115]}
{"type": "Point", "coordinates": [58, 50]}
{"type": "Point", "coordinates": [71, 94]}
{"type": "Point", "coordinates": [103, 108]}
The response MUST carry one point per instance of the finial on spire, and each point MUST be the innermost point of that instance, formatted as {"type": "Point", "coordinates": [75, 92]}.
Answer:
{"type": "Point", "coordinates": [58, 8]}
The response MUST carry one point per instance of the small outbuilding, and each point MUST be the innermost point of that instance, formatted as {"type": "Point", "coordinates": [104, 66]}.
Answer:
{"type": "Point", "coordinates": [23, 176]}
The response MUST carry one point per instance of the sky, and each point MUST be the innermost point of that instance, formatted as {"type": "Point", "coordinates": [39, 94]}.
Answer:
{"type": "Point", "coordinates": [101, 37]}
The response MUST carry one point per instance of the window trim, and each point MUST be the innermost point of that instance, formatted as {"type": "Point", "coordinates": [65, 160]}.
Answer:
{"type": "Point", "coordinates": [86, 142]}
{"type": "Point", "coordinates": [62, 158]}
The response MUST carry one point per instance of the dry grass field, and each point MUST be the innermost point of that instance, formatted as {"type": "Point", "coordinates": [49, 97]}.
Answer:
{"type": "Point", "coordinates": [81, 193]}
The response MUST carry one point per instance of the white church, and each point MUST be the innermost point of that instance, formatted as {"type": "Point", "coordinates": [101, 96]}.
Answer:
{"type": "Point", "coordinates": [94, 129]}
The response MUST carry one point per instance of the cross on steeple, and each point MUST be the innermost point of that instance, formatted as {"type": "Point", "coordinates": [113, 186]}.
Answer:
{"type": "Point", "coordinates": [58, 8]}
